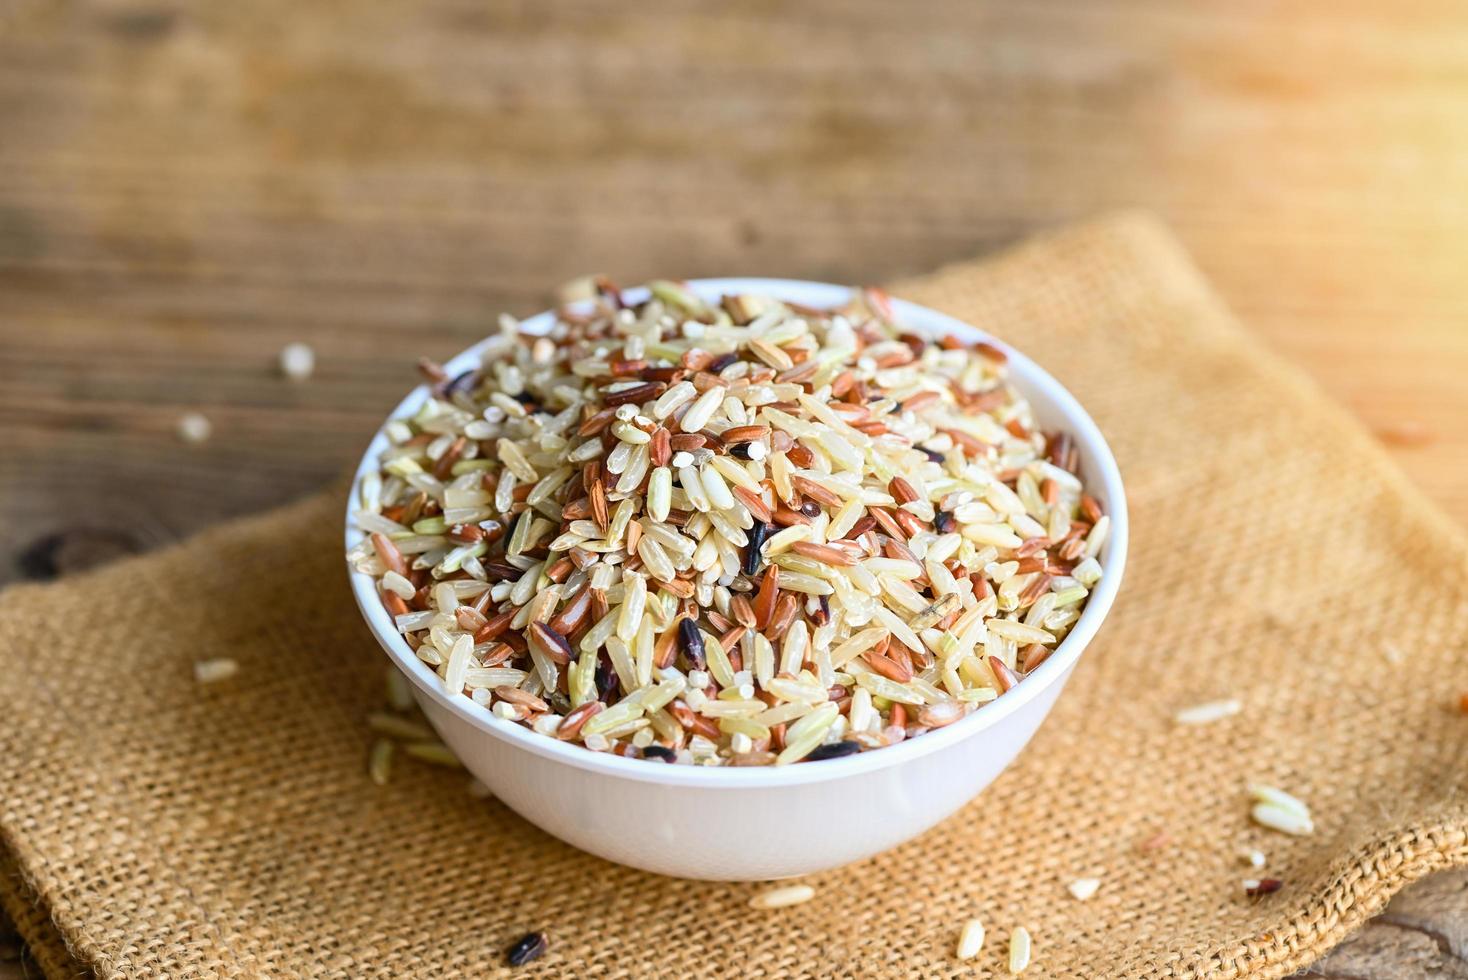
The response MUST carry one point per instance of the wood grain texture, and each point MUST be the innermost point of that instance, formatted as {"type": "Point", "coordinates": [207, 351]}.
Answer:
{"type": "Point", "coordinates": [183, 190]}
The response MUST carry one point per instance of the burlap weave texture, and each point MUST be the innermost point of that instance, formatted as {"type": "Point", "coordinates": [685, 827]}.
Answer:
{"type": "Point", "coordinates": [153, 828]}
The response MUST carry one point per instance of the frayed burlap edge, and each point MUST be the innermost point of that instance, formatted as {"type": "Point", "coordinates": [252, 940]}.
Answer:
{"type": "Point", "coordinates": [43, 940]}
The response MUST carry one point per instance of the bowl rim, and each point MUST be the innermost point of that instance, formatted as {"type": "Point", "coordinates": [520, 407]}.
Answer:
{"type": "Point", "coordinates": [1026, 373]}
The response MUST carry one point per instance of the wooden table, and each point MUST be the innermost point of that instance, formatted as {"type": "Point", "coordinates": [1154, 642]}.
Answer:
{"type": "Point", "coordinates": [183, 193]}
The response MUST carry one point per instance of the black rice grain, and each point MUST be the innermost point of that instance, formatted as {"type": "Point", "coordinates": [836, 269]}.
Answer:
{"type": "Point", "coordinates": [531, 946]}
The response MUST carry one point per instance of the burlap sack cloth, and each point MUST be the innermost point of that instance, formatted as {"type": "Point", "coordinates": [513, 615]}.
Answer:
{"type": "Point", "coordinates": [167, 830]}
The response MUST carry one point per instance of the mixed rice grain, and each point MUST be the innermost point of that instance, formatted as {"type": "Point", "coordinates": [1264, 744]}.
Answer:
{"type": "Point", "coordinates": [736, 534]}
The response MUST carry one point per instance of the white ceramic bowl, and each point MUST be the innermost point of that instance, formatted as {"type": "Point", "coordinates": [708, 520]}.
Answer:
{"type": "Point", "coordinates": [765, 822]}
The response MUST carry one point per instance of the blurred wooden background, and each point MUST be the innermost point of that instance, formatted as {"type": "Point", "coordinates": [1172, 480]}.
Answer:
{"type": "Point", "coordinates": [183, 191]}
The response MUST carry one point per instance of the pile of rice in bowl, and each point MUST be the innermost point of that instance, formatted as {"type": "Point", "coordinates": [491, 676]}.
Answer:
{"type": "Point", "coordinates": [747, 534]}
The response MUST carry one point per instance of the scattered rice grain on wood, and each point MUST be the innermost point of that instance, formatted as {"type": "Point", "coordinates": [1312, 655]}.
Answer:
{"type": "Point", "coordinates": [194, 427]}
{"type": "Point", "coordinates": [297, 361]}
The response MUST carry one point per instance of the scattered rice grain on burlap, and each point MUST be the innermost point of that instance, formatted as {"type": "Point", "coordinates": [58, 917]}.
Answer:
{"type": "Point", "coordinates": [231, 830]}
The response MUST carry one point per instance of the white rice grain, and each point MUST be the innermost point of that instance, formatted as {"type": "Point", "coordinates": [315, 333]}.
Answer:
{"type": "Point", "coordinates": [194, 427]}
{"type": "Point", "coordinates": [1019, 950]}
{"type": "Point", "coordinates": [1209, 711]}
{"type": "Point", "coordinates": [1083, 888]}
{"type": "Point", "coordinates": [215, 670]}
{"type": "Point", "coordinates": [297, 361]}
{"type": "Point", "coordinates": [782, 897]}
{"type": "Point", "coordinates": [970, 940]}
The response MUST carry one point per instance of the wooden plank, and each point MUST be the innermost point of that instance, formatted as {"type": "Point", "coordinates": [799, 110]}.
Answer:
{"type": "Point", "coordinates": [182, 192]}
